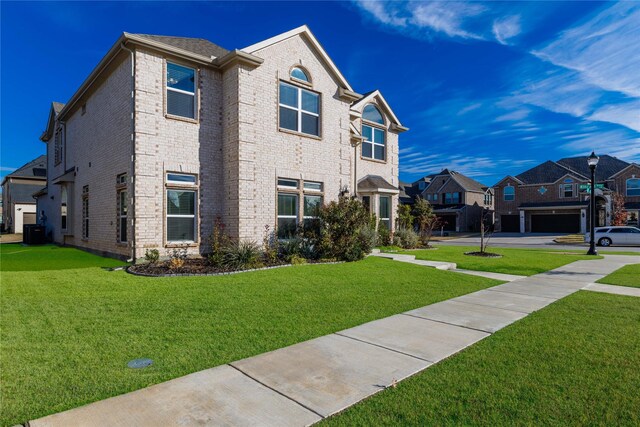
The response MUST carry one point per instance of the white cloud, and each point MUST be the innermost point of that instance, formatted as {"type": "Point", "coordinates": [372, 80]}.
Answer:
{"type": "Point", "coordinates": [7, 169]}
{"type": "Point", "coordinates": [605, 50]}
{"type": "Point", "coordinates": [507, 28]}
{"type": "Point", "coordinates": [445, 17]}
{"type": "Point", "coordinates": [626, 114]}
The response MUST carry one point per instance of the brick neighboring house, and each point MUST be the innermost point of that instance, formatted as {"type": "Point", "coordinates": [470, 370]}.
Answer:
{"type": "Point", "coordinates": [18, 188]}
{"type": "Point", "coordinates": [459, 201]}
{"type": "Point", "coordinates": [168, 133]}
{"type": "Point", "coordinates": [553, 196]}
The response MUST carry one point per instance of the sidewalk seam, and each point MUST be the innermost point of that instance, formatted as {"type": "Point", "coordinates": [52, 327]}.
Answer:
{"type": "Point", "coordinates": [386, 348]}
{"type": "Point", "coordinates": [447, 323]}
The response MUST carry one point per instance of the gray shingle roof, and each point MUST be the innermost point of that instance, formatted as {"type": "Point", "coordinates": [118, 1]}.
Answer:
{"type": "Point", "coordinates": [195, 45]}
{"type": "Point", "coordinates": [374, 182]}
{"type": "Point", "coordinates": [23, 193]}
{"type": "Point", "coordinates": [546, 172]}
{"type": "Point", "coordinates": [469, 184]}
{"type": "Point", "coordinates": [36, 168]}
{"type": "Point", "coordinates": [607, 166]}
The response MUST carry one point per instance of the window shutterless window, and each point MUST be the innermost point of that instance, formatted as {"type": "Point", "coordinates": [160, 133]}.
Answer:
{"type": "Point", "coordinates": [181, 91]}
{"type": "Point", "coordinates": [181, 179]}
{"type": "Point", "coordinates": [373, 147]}
{"type": "Point", "coordinates": [122, 216]}
{"type": "Point", "coordinates": [366, 201]}
{"type": "Point", "coordinates": [181, 215]}
{"type": "Point", "coordinates": [509, 193]}
{"type": "Point", "coordinates": [63, 208]}
{"type": "Point", "coordinates": [312, 186]}
{"type": "Point", "coordinates": [85, 212]}
{"type": "Point", "coordinates": [57, 147]}
{"type": "Point", "coordinates": [287, 215]}
{"type": "Point", "coordinates": [633, 187]}
{"type": "Point", "coordinates": [566, 190]}
{"type": "Point", "coordinates": [385, 211]}
{"type": "Point", "coordinates": [287, 183]}
{"type": "Point", "coordinates": [299, 110]}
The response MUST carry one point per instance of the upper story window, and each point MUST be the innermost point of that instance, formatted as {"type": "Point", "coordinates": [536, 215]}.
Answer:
{"type": "Point", "coordinates": [451, 198]}
{"type": "Point", "coordinates": [180, 179]}
{"type": "Point", "coordinates": [299, 110]}
{"type": "Point", "coordinates": [373, 146]}
{"type": "Point", "coordinates": [57, 147]}
{"type": "Point", "coordinates": [509, 193]}
{"type": "Point", "coordinates": [299, 74]}
{"type": "Point", "coordinates": [422, 185]}
{"type": "Point", "coordinates": [181, 91]}
{"type": "Point", "coordinates": [633, 187]}
{"type": "Point", "coordinates": [566, 190]}
{"type": "Point", "coordinates": [488, 198]}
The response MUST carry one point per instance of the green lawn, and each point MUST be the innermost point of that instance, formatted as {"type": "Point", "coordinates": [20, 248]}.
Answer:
{"type": "Point", "coordinates": [523, 262]}
{"type": "Point", "coordinates": [629, 275]}
{"type": "Point", "coordinates": [575, 362]}
{"type": "Point", "coordinates": [69, 326]}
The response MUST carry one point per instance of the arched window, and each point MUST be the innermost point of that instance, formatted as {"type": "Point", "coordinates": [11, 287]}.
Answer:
{"type": "Point", "coordinates": [509, 193]}
{"type": "Point", "coordinates": [299, 74]}
{"type": "Point", "coordinates": [372, 114]}
{"type": "Point", "coordinates": [374, 144]}
{"type": "Point", "coordinates": [63, 208]}
{"type": "Point", "coordinates": [633, 187]}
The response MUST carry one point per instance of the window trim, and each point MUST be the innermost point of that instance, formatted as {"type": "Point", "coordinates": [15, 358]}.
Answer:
{"type": "Point", "coordinates": [85, 213]}
{"type": "Point", "coordinates": [307, 82]}
{"type": "Point", "coordinates": [121, 216]}
{"type": "Point", "coordinates": [299, 110]}
{"type": "Point", "coordinates": [390, 207]}
{"type": "Point", "coordinates": [58, 146]}
{"type": "Point", "coordinates": [193, 187]}
{"type": "Point", "coordinates": [196, 81]}
{"type": "Point", "coordinates": [563, 191]}
{"type": "Point", "coordinates": [300, 192]}
{"type": "Point", "coordinates": [374, 126]}
{"type": "Point", "coordinates": [626, 187]}
{"type": "Point", "coordinates": [64, 202]}
{"type": "Point", "coordinates": [512, 197]}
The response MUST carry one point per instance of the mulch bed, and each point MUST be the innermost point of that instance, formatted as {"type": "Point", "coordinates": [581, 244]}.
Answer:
{"type": "Point", "coordinates": [484, 254]}
{"type": "Point", "coordinates": [198, 267]}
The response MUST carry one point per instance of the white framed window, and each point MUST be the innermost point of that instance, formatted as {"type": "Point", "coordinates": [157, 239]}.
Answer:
{"type": "Point", "coordinates": [63, 208]}
{"type": "Point", "coordinates": [287, 215]}
{"type": "Point", "coordinates": [366, 201]}
{"type": "Point", "coordinates": [312, 186]}
{"type": "Point", "coordinates": [288, 183]}
{"type": "Point", "coordinates": [311, 208]}
{"type": "Point", "coordinates": [181, 179]}
{"type": "Point", "coordinates": [181, 91]}
{"type": "Point", "coordinates": [509, 193]}
{"type": "Point", "coordinates": [374, 144]}
{"type": "Point", "coordinates": [299, 109]}
{"type": "Point", "coordinates": [566, 190]}
{"type": "Point", "coordinates": [181, 216]}
{"type": "Point", "coordinates": [123, 205]}
{"type": "Point", "coordinates": [633, 187]}
{"type": "Point", "coordinates": [384, 211]}
{"type": "Point", "coordinates": [57, 147]}
{"type": "Point", "coordinates": [85, 212]}
{"type": "Point", "coordinates": [299, 74]}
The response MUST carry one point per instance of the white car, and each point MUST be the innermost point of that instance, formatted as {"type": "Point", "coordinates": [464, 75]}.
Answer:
{"type": "Point", "coordinates": [615, 235]}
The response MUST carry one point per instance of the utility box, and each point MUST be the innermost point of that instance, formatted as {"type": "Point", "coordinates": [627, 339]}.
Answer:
{"type": "Point", "coordinates": [33, 234]}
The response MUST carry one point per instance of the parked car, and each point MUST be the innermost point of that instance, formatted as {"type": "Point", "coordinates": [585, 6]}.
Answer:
{"type": "Point", "coordinates": [615, 235]}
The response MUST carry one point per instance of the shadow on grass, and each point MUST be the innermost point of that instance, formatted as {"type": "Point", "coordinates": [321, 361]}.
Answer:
{"type": "Point", "coordinates": [19, 257]}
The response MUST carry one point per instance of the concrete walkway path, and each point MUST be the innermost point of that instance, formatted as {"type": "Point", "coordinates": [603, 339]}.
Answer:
{"type": "Point", "coordinates": [306, 382]}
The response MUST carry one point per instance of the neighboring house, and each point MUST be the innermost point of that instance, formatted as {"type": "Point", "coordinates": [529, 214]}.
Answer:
{"type": "Point", "coordinates": [457, 200]}
{"type": "Point", "coordinates": [18, 187]}
{"type": "Point", "coordinates": [409, 191]}
{"type": "Point", "coordinates": [169, 133]}
{"type": "Point", "coordinates": [553, 197]}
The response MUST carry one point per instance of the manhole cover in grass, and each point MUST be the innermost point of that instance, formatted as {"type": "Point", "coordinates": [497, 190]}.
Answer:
{"type": "Point", "coordinates": [139, 363]}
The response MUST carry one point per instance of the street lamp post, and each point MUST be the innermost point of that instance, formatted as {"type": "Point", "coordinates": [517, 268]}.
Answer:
{"type": "Point", "coordinates": [592, 160]}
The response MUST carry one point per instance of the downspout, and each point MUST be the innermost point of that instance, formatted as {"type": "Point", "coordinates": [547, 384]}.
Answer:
{"type": "Point", "coordinates": [132, 197]}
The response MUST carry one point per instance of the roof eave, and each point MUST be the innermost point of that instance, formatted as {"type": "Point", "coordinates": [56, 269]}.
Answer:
{"type": "Point", "coordinates": [238, 57]}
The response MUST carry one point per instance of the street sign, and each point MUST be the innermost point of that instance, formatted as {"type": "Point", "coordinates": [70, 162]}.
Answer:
{"type": "Point", "coordinates": [587, 187]}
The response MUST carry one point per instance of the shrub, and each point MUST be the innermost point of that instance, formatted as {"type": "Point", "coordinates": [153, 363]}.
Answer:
{"type": "Point", "coordinates": [406, 238]}
{"type": "Point", "coordinates": [297, 260]}
{"type": "Point", "coordinates": [241, 256]}
{"type": "Point", "coordinates": [384, 235]}
{"type": "Point", "coordinates": [218, 241]}
{"type": "Point", "coordinates": [404, 216]}
{"type": "Point", "coordinates": [177, 257]}
{"type": "Point", "coordinates": [152, 256]}
{"type": "Point", "coordinates": [270, 245]}
{"type": "Point", "coordinates": [341, 235]}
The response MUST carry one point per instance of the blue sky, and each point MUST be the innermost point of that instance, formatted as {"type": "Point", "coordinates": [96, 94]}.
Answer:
{"type": "Point", "coordinates": [488, 89]}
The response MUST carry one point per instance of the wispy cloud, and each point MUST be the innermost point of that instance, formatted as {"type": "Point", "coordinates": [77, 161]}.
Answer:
{"type": "Point", "coordinates": [7, 169]}
{"type": "Point", "coordinates": [507, 28]}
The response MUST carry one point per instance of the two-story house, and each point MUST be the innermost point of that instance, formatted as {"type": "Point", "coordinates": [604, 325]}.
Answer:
{"type": "Point", "coordinates": [169, 133]}
{"type": "Point", "coordinates": [553, 197]}
{"type": "Point", "coordinates": [18, 188]}
{"type": "Point", "coordinates": [459, 202]}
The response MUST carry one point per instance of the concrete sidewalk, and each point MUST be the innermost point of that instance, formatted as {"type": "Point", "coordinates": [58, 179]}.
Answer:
{"type": "Point", "coordinates": [306, 382]}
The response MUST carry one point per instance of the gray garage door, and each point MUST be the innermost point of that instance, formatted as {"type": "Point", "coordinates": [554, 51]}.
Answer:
{"type": "Point", "coordinates": [558, 223]}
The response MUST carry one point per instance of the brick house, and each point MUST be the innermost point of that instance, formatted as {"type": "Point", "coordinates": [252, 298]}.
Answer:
{"type": "Point", "coordinates": [553, 197]}
{"type": "Point", "coordinates": [457, 200]}
{"type": "Point", "coordinates": [18, 187]}
{"type": "Point", "coordinates": [169, 133]}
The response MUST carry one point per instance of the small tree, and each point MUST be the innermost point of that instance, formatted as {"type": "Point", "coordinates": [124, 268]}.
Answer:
{"type": "Point", "coordinates": [404, 217]}
{"type": "Point", "coordinates": [485, 233]}
{"type": "Point", "coordinates": [345, 230]}
{"type": "Point", "coordinates": [426, 219]}
{"type": "Point", "coordinates": [619, 213]}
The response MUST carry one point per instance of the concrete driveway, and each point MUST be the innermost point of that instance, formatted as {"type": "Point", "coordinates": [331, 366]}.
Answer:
{"type": "Point", "coordinates": [531, 240]}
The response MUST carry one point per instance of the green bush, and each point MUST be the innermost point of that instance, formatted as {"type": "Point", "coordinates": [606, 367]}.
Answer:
{"type": "Point", "coordinates": [219, 241]}
{"type": "Point", "coordinates": [341, 230]}
{"type": "Point", "coordinates": [384, 235]}
{"type": "Point", "coordinates": [406, 238]}
{"type": "Point", "coordinates": [241, 255]}
{"type": "Point", "coordinates": [152, 256]}
{"type": "Point", "coordinates": [297, 260]}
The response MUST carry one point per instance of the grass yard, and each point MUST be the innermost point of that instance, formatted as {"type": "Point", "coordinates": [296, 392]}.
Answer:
{"type": "Point", "coordinates": [573, 363]}
{"type": "Point", "coordinates": [69, 326]}
{"type": "Point", "coordinates": [629, 275]}
{"type": "Point", "coordinates": [522, 262]}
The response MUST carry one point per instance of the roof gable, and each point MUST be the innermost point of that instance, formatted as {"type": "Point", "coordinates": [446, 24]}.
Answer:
{"type": "Point", "coordinates": [305, 32]}
{"type": "Point", "coordinates": [381, 102]}
{"type": "Point", "coordinates": [512, 178]}
{"type": "Point", "coordinates": [35, 169]}
{"type": "Point", "coordinates": [55, 109]}
{"type": "Point", "coordinates": [468, 184]}
{"type": "Point", "coordinates": [631, 166]}
{"type": "Point", "coordinates": [544, 173]}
